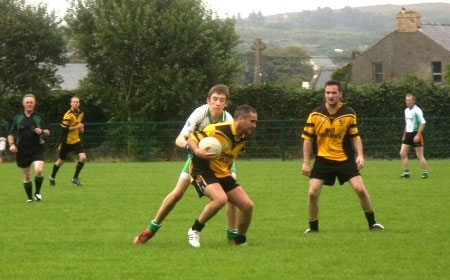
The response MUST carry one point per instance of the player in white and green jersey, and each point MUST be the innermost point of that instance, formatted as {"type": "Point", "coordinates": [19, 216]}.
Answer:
{"type": "Point", "coordinates": [413, 136]}
{"type": "Point", "coordinates": [210, 113]}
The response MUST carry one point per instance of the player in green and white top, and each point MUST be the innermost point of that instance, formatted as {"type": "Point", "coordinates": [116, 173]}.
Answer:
{"type": "Point", "coordinates": [210, 113]}
{"type": "Point", "coordinates": [2, 148]}
{"type": "Point", "coordinates": [413, 136]}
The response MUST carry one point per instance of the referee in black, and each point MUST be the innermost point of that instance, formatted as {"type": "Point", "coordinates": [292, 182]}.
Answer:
{"type": "Point", "coordinates": [26, 140]}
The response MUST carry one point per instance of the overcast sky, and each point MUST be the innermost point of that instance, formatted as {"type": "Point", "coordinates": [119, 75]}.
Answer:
{"type": "Point", "coordinates": [267, 7]}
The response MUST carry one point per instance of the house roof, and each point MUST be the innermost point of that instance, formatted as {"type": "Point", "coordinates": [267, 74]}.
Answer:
{"type": "Point", "coordinates": [440, 33]}
{"type": "Point", "coordinates": [323, 76]}
{"type": "Point", "coordinates": [72, 73]}
{"type": "Point", "coordinates": [323, 67]}
{"type": "Point", "coordinates": [323, 62]}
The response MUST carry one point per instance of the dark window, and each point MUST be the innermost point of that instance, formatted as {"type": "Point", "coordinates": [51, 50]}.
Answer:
{"type": "Point", "coordinates": [436, 69]}
{"type": "Point", "coordinates": [378, 72]}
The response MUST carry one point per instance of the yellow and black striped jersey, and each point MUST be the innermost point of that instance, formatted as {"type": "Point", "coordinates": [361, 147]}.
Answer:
{"type": "Point", "coordinates": [71, 118]}
{"type": "Point", "coordinates": [332, 133]}
{"type": "Point", "coordinates": [231, 147]}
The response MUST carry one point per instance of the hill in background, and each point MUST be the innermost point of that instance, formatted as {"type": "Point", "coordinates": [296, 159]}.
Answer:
{"type": "Point", "coordinates": [323, 30]}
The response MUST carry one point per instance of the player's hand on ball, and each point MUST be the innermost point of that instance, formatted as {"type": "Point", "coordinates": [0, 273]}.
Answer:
{"type": "Point", "coordinates": [204, 153]}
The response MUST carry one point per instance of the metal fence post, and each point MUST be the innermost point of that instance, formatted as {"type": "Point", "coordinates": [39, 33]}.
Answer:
{"type": "Point", "coordinates": [147, 142]}
{"type": "Point", "coordinates": [283, 140]}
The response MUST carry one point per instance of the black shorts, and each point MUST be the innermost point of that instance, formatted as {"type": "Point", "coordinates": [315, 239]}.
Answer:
{"type": "Point", "coordinates": [66, 148]}
{"type": "Point", "coordinates": [200, 181]}
{"type": "Point", "coordinates": [25, 157]}
{"type": "Point", "coordinates": [328, 170]}
{"type": "Point", "coordinates": [409, 139]}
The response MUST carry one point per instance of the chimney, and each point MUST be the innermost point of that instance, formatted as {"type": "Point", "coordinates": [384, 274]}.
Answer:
{"type": "Point", "coordinates": [408, 21]}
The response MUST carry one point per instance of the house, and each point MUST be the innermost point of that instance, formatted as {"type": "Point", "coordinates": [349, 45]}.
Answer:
{"type": "Point", "coordinates": [71, 74]}
{"type": "Point", "coordinates": [416, 48]}
{"type": "Point", "coordinates": [323, 68]}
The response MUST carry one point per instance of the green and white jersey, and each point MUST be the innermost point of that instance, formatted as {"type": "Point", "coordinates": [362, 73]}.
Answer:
{"type": "Point", "coordinates": [200, 118]}
{"type": "Point", "coordinates": [413, 118]}
{"type": "Point", "coordinates": [2, 143]}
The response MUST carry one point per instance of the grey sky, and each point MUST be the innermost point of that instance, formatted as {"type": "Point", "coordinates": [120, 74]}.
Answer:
{"type": "Point", "coordinates": [267, 7]}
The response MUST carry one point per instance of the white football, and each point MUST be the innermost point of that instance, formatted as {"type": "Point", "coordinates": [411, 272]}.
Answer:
{"type": "Point", "coordinates": [212, 144]}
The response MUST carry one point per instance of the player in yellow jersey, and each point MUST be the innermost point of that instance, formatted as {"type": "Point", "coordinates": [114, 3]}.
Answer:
{"type": "Point", "coordinates": [212, 177]}
{"type": "Point", "coordinates": [71, 127]}
{"type": "Point", "coordinates": [331, 132]}
{"type": "Point", "coordinates": [210, 113]}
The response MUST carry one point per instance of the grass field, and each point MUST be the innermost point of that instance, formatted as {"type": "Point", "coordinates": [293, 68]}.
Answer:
{"type": "Point", "coordinates": [87, 232]}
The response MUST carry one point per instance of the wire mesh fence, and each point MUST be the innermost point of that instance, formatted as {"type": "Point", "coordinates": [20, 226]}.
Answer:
{"type": "Point", "coordinates": [272, 139]}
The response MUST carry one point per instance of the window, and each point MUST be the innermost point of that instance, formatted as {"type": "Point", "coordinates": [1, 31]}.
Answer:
{"type": "Point", "coordinates": [436, 71]}
{"type": "Point", "coordinates": [378, 72]}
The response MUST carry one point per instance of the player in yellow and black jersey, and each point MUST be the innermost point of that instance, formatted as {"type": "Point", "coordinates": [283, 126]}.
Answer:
{"type": "Point", "coordinates": [331, 132]}
{"type": "Point", "coordinates": [231, 148]}
{"type": "Point", "coordinates": [211, 176]}
{"type": "Point", "coordinates": [71, 127]}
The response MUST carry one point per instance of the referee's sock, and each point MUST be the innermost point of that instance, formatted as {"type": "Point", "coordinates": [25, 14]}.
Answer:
{"type": "Point", "coordinates": [370, 216]}
{"type": "Point", "coordinates": [29, 189]}
{"type": "Point", "coordinates": [38, 183]}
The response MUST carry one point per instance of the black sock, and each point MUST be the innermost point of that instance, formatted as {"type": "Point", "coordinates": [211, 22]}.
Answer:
{"type": "Point", "coordinates": [370, 216]}
{"type": "Point", "coordinates": [55, 170]}
{"type": "Point", "coordinates": [28, 189]}
{"type": "Point", "coordinates": [38, 183]}
{"type": "Point", "coordinates": [78, 169]}
{"type": "Point", "coordinates": [198, 226]}
{"type": "Point", "coordinates": [314, 225]}
{"type": "Point", "coordinates": [240, 239]}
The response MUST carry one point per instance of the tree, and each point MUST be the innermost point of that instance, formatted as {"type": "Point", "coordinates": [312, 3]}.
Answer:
{"type": "Point", "coordinates": [343, 74]}
{"type": "Point", "coordinates": [256, 19]}
{"type": "Point", "coordinates": [289, 65]}
{"type": "Point", "coordinates": [31, 46]}
{"type": "Point", "coordinates": [149, 58]}
{"type": "Point", "coordinates": [447, 75]}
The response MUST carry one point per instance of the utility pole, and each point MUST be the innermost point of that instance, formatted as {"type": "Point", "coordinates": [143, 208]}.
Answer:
{"type": "Point", "coordinates": [258, 46]}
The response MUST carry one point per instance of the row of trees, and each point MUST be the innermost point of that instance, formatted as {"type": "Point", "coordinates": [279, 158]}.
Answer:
{"type": "Point", "coordinates": [148, 59]}
{"type": "Point", "coordinates": [277, 102]}
{"type": "Point", "coordinates": [31, 46]}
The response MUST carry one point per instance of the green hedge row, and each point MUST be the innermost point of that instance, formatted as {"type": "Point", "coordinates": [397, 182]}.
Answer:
{"type": "Point", "coordinates": [273, 101]}
{"type": "Point", "coordinates": [387, 100]}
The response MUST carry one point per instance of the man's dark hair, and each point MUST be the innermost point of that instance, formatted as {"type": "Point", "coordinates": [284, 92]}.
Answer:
{"type": "Point", "coordinates": [244, 111]}
{"type": "Point", "coordinates": [334, 83]}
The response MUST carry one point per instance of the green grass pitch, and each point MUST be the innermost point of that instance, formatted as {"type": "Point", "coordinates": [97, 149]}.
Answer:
{"type": "Point", "coordinates": [87, 232]}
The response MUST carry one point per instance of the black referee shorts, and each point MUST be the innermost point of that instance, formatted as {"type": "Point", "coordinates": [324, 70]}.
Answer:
{"type": "Point", "coordinates": [25, 157]}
